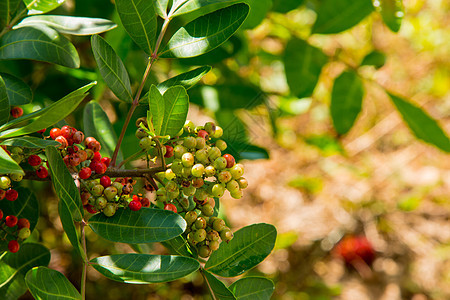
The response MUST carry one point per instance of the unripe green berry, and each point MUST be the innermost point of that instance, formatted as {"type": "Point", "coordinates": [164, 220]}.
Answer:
{"type": "Point", "coordinates": [91, 200]}
{"type": "Point", "coordinates": [186, 172]}
{"type": "Point", "coordinates": [161, 198]}
{"type": "Point", "coordinates": [220, 163]}
{"type": "Point", "coordinates": [233, 186]}
{"type": "Point", "coordinates": [16, 176]}
{"type": "Point", "coordinates": [212, 235]}
{"type": "Point", "coordinates": [198, 170]}
{"type": "Point", "coordinates": [24, 233]}
{"type": "Point", "coordinates": [190, 217]}
{"type": "Point", "coordinates": [171, 186]}
{"type": "Point", "coordinates": [200, 142]}
{"type": "Point", "coordinates": [101, 202]}
{"type": "Point", "coordinates": [224, 176]}
{"type": "Point", "coordinates": [184, 202]}
{"type": "Point", "coordinates": [187, 159]}
{"type": "Point", "coordinates": [207, 210]}
{"type": "Point", "coordinates": [17, 158]}
{"type": "Point", "coordinates": [91, 183]}
{"type": "Point", "coordinates": [109, 210]}
{"type": "Point", "coordinates": [110, 192]}
{"type": "Point", "coordinates": [221, 144]}
{"type": "Point", "coordinates": [169, 174]}
{"type": "Point", "coordinates": [177, 166]}
{"type": "Point", "coordinates": [218, 225]}
{"type": "Point", "coordinates": [161, 191]}
{"type": "Point", "coordinates": [200, 223]}
{"type": "Point", "coordinates": [140, 133]}
{"type": "Point", "coordinates": [226, 235]}
{"type": "Point", "coordinates": [189, 125]}
{"type": "Point", "coordinates": [178, 151]}
{"type": "Point", "coordinates": [236, 194]}
{"type": "Point", "coordinates": [145, 143]}
{"type": "Point", "coordinates": [214, 245]}
{"type": "Point", "coordinates": [118, 187]}
{"type": "Point", "coordinates": [189, 191]}
{"type": "Point", "coordinates": [173, 195]}
{"type": "Point", "coordinates": [17, 150]}
{"type": "Point", "coordinates": [237, 171]}
{"type": "Point", "coordinates": [243, 183]}
{"type": "Point", "coordinates": [210, 128]}
{"type": "Point", "coordinates": [189, 142]}
{"type": "Point", "coordinates": [97, 190]}
{"type": "Point", "coordinates": [218, 190]}
{"type": "Point", "coordinates": [5, 182]}
{"type": "Point", "coordinates": [201, 194]}
{"type": "Point", "coordinates": [204, 251]}
{"type": "Point", "coordinates": [202, 156]}
{"type": "Point", "coordinates": [200, 235]}
{"type": "Point", "coordinates": [210, 171]}
{"type": "Point", "coordinates": [214, 153]}
{"type": "Point", "coordinates": [218, 133]}
{"type": "Point", "coordinates": [161, 176]}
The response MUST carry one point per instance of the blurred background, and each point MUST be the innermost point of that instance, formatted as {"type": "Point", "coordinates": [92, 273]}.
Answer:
{"type": "Point", "coordinates": [316, 186]}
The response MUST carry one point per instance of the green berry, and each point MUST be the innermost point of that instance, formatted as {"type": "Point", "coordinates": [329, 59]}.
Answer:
{"type": "Point", "coordinates": [201, 194]}
{"type": "Point", "coordinates": [190, 217]}
{"type": "Point", "coordinates": [198, 170]}
{"type": "Point", "coordinates": [17, 150]}
{"type": "Point", "coordinates": [178, 151]}
{"type": "Point", "coordinates": [16, 176]}
{"type": "Point", "coordinates": [161, 176]}
{"type": "Point", "coordinates": [187, 159]}
{"type": "Point", "coordinates": [202, 156]}
{"type": "Point", "coordinates": [189, 125]}
{"type": "Point", "coordinates": [214, 245]}
{"type": "Point", "coordinates": [110, 192]}
{"type": "Point", "coordinates": [233, 186]}
{"type": "Point", "coordinates": [109, 210]}
{"type": "Point", "coordinates": [161, 191]}
{"type": "Point", "coordinates": [169, 174]}
{"type": "Point", "coordinates": [200, 223]}
{"type": "Point", "coordinates": [221, 144]}
{"type": "Point", "coordinates": [212, 235]}
{"type": "Point", "coordinates": [214, 153]}
{"type": "Point", "coordinates": [200, 143]}
{"type": "Point", "coordinates": [204, 251]}
{"type": "Point", "coordinates": [189, 142]}
{"type": "Point", "coordinates": [5, 182]}
{"type": "Point", "coordinates": [200, 235]}
{"type": "Point", "coordinates": [189, 191]}
{"type": "Point", "coordinates": [97, 190]}
{"type": "Point", "coordinates": [218, 225]}
{"type": "Point", "coordinates": [220, 163]}
{"type": "Point", "coordinates": [210, 128]}
{"type": "Point", "coordinates": [177, 166]}
{"type": "Point", "coordinates": [118, 187]}
{"type": "Point", "coordinates": [186, 172]}
{"type": "Point", "coordinates": [145, 143]}
{"type": "Point", "coordinates": [173, 195]}
{"type": "Point", "coordinates": [237, 194]}
{"type": "Point", "coordinates": [207, 210]}
{"type": "Point", "coordinates": [226, 235]}
{"type": "Point", "coordinates": [24, 233]}
{"type": "Point", "coordinates": [210, 171]}
{"type": "Point", "coordinates": [171, 186]}
{"type": "Point", "coordinates": [91, 200]}
{"type": "Point", "coordinates": [224, 176]}
{"type": "Point", "coordinates": [218, 190]}
{"type": "Point", "coordinates": [243, 183]}
{"type": "Point", "coordinates": [161, 198]}
{"type": "Point", "coordinates": [237, 171]}
{"type": "Point", "coordinates": [140, 133]}
{"type": "Point", "coordinates": [101, 202]}
{"type": "Point", "coordinates": [218, 133]}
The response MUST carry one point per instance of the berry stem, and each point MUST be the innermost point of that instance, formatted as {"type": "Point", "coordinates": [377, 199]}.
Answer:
{"type": "Point", "coordinates": [163, 161]}
{"type": "Point", "coordinates": [131, 157]}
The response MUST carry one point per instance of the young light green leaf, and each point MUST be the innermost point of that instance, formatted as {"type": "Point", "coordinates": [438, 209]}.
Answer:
{"type": "Point", "coordinates": [176, 105]}
{"type": "Point", "coordinates": [39, 43]}
{"type": "Point", "coordinates": [303, 64]}
{"type": "Point", "coordinates": [59, 287]}
{"type": "Point", "coordinates": [69, 24]}
{"type": "Point", "coordinates": [7, 164]}
{"type": "Point", "coordinates": [217, 288]}
{"type": "Point", "coordinates": [392, 13]}
{"type": "Point", "coordinates": [374, 58]}
{"type": "Point", "coordinates": [30, 142]}
{"type": "Point", "coordinates": [421, 124]}
{"type": "Point", "coordinates": [14, 266]}
{"type": "Point", "coordinates": [144, 268]}
{"type": "Point", "coordinates": [47, 116]}
{"type": "Point", "coordinates": [187, 80]}
{"type": "Point", "coordinates": [187, 6]}
{"type": "Point", "coordinates": [146, 225]}
{"type": "Point", "coordinates": [4, 103]}
{"type": "Point", "coordinates": [96, 124]}
{"type": "Point", "coordinates": [155, 114]}
{"type": "Point", "coordinates": [250, 246]}
{"type": "Point", "coordinates": [111, 68]}
{"type": "Point", "coordinates": [161, 7]}
{"type": "Point", "coordinates": [207, 32]}
{"type": "Point", "coordinates": [7, 7]}
{"type": "Point", "coordinates": [346, 101]}
{"type": "Point", "coordinates": [139, 19]}
{"type": "Point", "coordinates": [36, 7]}
{"type": "Point", "coordinates": [19, 93]}
{"type": "Point", "coordinates": [337, 16]}
{"type": "Point", "coordinates": [252, 288]}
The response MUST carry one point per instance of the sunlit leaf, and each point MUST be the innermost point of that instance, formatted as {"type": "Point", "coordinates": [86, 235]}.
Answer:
{"type": "Point", "coordinates": [30, 142]}
{"type": "Point", "coordinates": [161, 7]}
{"type": "Point", "coordinates": [155, 113]}
{"type": "Point", "coordinates": [392, 12]}
{"type": "Point", "coordinates": [176, 105]}
{"type": "Point", "coordinates": [252, 288]}
{"type": "Point", "coordinates": [187, 80]}
{"type": "Point", "coordinates": [41, 287]}
{"type": "Point", "coordinates": [41, 6]}
{"type": "Point", "coordinates": [7, 164]}
{"type": "Point", "coordinates": [187, 6]}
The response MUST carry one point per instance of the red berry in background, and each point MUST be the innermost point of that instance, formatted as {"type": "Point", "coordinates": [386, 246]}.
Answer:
{"type": "Point", "coordinates": [106, 161]}
{"type": "Point", "coordinates": [105, 181]}
{"type": "Point", "coordinates": [55, 132]}
{"type": "Point", "coordinates": [169, 151]}
{"type": "Point", "coordinates": [23, 223]}
{"type": "Point", "coordinates": [85, 173]}
{"type": "Point", "coordinates": [67, 132]}
{"type": "Point", "coordinates": [13, 246]}
{"type": "Point", "coordinates": [171, 207]}
{"type": "Point", "coordinates": [100, 168]}
{"type": "Point", "coordinates": [145, 202]}
{"type": "Point", "coordinates": [1, 214]}
{"type": "Point", "coordinates": [354, 248]}
{"type": "Point", "coordinates": [90, 209]}
{"type": "Point", "coordinates": [16, 112]}
{"type": "Point", "coordinates": [78, 137]}
{"type": "Point", "coordinates": [42, 172]}
{"type": "Point", "coordinates": [11, 221]}
{"type": "Point", "coordinates": [97, 156]}
{"type": "Point", "coordinates": [203, 133]}
{"type": "Point", "coordinates": [135, 205]}
{"type": "Point", "coordinates": [63, 141]}
{"type": "Point", "coordinates": [230, 160]}
{"type": "Point", "coordinates": [2, 194]}
{"type": "Point", "coordinates": [34, 160]}
{"type": "Point", "coordinates": [42, 131]}
{"type": "Point", "coordinates": [11, 195]}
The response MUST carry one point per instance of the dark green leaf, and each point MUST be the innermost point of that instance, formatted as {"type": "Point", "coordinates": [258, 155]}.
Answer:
{"type": "Point", "coordinates": [96, 124]}
{"type": "Point", "coordinates": [303, 64]}
{"type": "Point", "coordinates": [144, 268]}
{"type": "Point", "coordinates": [155, 113]}
{"type": "Point", "coordinates": [111, 68]}
{"type": "Point", "coordinates": [70, 229]}
{"type": "Point", "coordinates": [41, 6]}
{"type": "Point", "coordinates": [7, 164]}
{"type": "Point", "coordinates": [4, 103]}
{"type": "Point", "coordinates": [187, 80]}
{"type": "Point", "coordinates": [19, 93]}
{"type": "Point", "coordinates": [258, 11]}
{"type": "Point", "coordinates": [139, 19]}
{"type": "Point", "coordinates": [421, 124]}
{"type": "Point", "coordinates": [144, 226]}
{"type": "Point", "coordinates": [284, 6]}
{"type": "Point", "coordinates": [41, 287]}
{"type": "Point", "coordinates": [181, 7]}
{"type": "Point", "coordinates": [176, 105]}
{"type": "Point", "coordinates": [374, 58]}
{"type": "Point", "coordinates": [336, 16]}
{"type": "Point", "coordinates": [243, 150]}
{"type": "Point", "coordinates": [68, 24]}
{"type": "Point", "coordinates": [346, 101]}
{"type": "Point", "coordinates": [216, 287]}
{"type": "Point", "coordinates": [392, 13]}
{"type": "Point", "coordinates": [7, 7]}
{"type": "Point", "coordinates": [43, 44]}
{"type": "Point", "coordinates": [30, 142]}
{"type": "Point", "coordinates": [250, 246]}
{"type": "Point", "coordinates": [252, 288]}
{"type": "Point", "coordinates": [206, 33]}
{"type": "Point", "coordinates": [14, 266]}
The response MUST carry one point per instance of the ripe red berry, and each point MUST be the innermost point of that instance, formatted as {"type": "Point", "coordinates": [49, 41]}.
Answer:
{"type": "Point", "coordinates": [203, 133]}
{"type": "Point", "coordinates": [16, 112]}
{"type": "Point", "coordinates": [230, 160]}
{"type": "Point", "coordinates": [90, 209]}
{"type": "Point", "coordinates": [34, 160]}
{"type": "Point", "coordinates": [55, 132]}
{"type": "Point", "coordinates": [85, 173]}
{"type": "Point", "coordinates": [11, 221]}
{"type": "Point", "coordinates": [353, 248]}
{"type": "Point", "coordinates": [63, 141]}
{"type": "Point", "coordinates": [1, 214]}
{"type": "Point", "coordinates": [135, 205]}
{"type": "Point", "coordinates": [169, 151]}
{"type": "Point", "coordinates": [171, 207]}
{"type": "Point", "coordinates": [106, 161]}
{"type": "Point", "coordinates": [13, 246]}
{"type": "Point", "coordinates": [88, 140]}
{"type": "Point", "coordinates": [94, 146]}
{"type": "Point", "coordinates": [42, 172]}
{"type": "Point", "coordinates": [100, 168]}
{"type": "Point", "coordinates": [42, 131]}
{"type": "Point", "coordinates": [2, 194]}
{"type": "Point", "coordinates": [105, 181]}
{"type": "Point", "coordinates": [23, 223]}
{"type": "Point", "coordinates": [97, 156]}
{"type": "Point", "coordinates": [145, 202]}
{"type": "Point", "coordinates": [11, 195]}
{"type": "Point", "coordinates": [78, 137]}
{"type": "Point", "coordinates": [67, 132]}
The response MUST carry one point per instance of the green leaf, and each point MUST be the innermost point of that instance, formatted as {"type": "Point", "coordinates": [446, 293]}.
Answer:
{"type": "Point", "coordinates": [336, 16]}
{"type": "Point", "coordinates": [250, 246]}
{"type": "Point", "coordinates": [179, 246]}
{"type": "Point", "coordinates": [258, 11]}
{"type": "Point", "coordinates": [7, 164]}
{"type": "Point", "coordinates": [146, 225]}
{"type": "Point", "coordinates": [139, 19]}
{"type": "Point", "coordinates": [45, 283]}
{"type": "Point", "coordinates": [187, 80]}
{"type": "Point", "coordinates": [217, 288]}
{"type": "Point", "coordinates": [96, 124]}
{"type": "Point", "coordinates": [421, 124]}
{"type": "Point", "coordinates": [144, 268]}
{"type": "Point", "coordinates": [392, 12]}
{"type": "Point", "coordinates": [252, 288]}
{"type": "Point", "coordinates": [19, 93]}
{"type": "Point", "coordinates": [7, 8]}
{"type": "Point", "coordinates": [155, 114]}
{"type": "Point", "coordinates": [183, 7]}
{"type": "Point", "coordinates": [36, 7]}
{"type": "Point", "coordinates": [42, 44]}
{"type": "Point", "coordinates": [206, 33]}
{"type": "Point", "coordinates": [47, 116]}
{"type": "Point", "coordinates": [70, 229]}
{"type": "Point", "coordinates": [68, 24]}
{"type": "Point", "coordinates": [176, 105]}
{"type": "Point", "coordinates": [284, 6]}
{"type": "Point", "coordinates": [14, 266]}
{"type": "Point", "coordinates": [4, 103]}
{"type": "Point", "coordinates": [243, 150]}
{"type": "Point", "coordinates": [30, 142]}
{"type": "Point", "coordinates": [374, 58]}
{"type": "Point", "coordinates": [346, 101]}
{"type": "Point", "coordinates": [161, 7]}
{"type": "Point", "coordinates": [111, 68]}
{"type": "Point", "coordinates": [303, 64]}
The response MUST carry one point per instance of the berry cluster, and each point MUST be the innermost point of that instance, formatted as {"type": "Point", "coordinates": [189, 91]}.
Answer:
{"type": "Point", "coordinates": [20, 230]}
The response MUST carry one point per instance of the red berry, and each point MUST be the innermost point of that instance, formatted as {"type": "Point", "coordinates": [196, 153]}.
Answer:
{"type": "Point", "coordinates": [352, 248]}
{"type": "Point", "coordinates": [11, 195]}
{"type": "Point", "coordinates": [2, 194]}
{"type": "Point", "coordinates": [16, 112]}
{"type": "Point", "coordinates": [1, 214]}
{"type": "Point", "coordinates": [145, 202]}
{"type": "Point", "coordinates": [169, 151]}
{"type": "Point", "coordinates": [55, 132]}
{"type": "Point", "coordinates": [97, 156]}
{"type": "Point", "coordinates": [11, 221]}
{"type": "Point", "coordinates": [94, 146]}
{"type": "Point", "coordinates": [75, 160]}
{"type": "Point", "coordinates": [63, 141]}
{"type": "Point", "coordinates": [42, 131]}
{"type": "Point", "coordinates": [230, 160]}
{"type": "Point", "coordinates": [34, 160]}
{"type": "Point", "coordinates": [13, 246]}
{"type": "Point", "coordinates": [105, 181]}
{"type": "Point", "coordinates": [67, 132]}
{"type": "Point", "coordinates": [106, 161]}
{"type": "Point", "coordinates": [203, 133]}
{"type": "Point", "coordinates": [90, 209]}
{"type": "Point", "coordinates": [23, 223]}
{"type": "Point", "coordinates": [171, 207]}
{"type": "Point", "coordinates": [100, 168]}
{"type": "Point", "coordinates": [88, 140]}
{"type": "Point", "coordinates": [135, 205]}
{"type": "Point", "coordinates": [78, 137]}
{"type": "Point", "coordinates": [85, 173]}
{"type": "Point", "coordinates": [42, 172]}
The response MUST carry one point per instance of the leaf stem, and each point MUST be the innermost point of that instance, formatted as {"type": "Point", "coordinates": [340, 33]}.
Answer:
{"type": "Point", "coordinates": [209, 285]}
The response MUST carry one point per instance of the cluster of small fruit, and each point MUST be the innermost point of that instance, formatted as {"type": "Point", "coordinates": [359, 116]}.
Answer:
{"type": "Point", "coordinates": [21, 232]}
